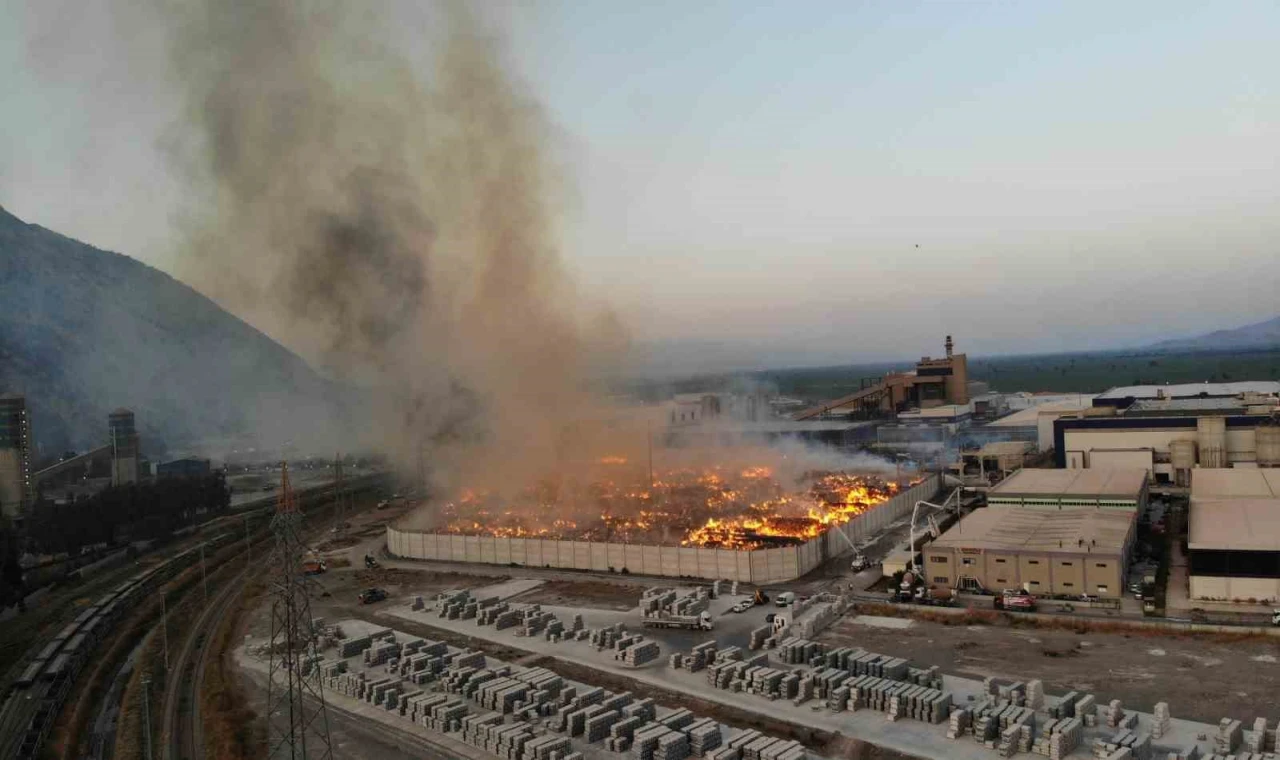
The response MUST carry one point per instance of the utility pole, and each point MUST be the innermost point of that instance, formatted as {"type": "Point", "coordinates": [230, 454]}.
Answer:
{"type": "Point", "coordinates": [146, 715]}
{"type": "Point", "coordinates": [204, 582]}
{"type": "Point", "coordinates": [164, 627]}
{"type": "Point", "coordinates": [297, 720]}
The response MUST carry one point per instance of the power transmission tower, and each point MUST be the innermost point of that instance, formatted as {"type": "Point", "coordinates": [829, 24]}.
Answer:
{"type": "Point", "coordinates": [297, 722]}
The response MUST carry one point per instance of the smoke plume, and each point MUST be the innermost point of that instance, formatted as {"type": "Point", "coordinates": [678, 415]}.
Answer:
{"type": "Point", "coordinates": [395, 226]}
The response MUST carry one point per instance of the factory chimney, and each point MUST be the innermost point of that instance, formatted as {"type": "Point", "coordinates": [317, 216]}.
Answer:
{"type": "Point", "coordinates": [950, 346]}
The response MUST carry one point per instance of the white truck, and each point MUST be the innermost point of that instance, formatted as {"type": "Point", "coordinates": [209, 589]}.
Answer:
{"type": "Point", "coordinates": [785, 598]}
{"type": "Point", "coordinates": [700, 622]}
{"type": "Point", "coordinates": [860, 563]}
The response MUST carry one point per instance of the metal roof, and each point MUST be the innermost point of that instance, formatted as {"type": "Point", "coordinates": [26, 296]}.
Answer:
{"type": "Point", "coordinates": [1030, 416]}
{"type": "Point", "coordinates": [1236, 524]}
{"type": "Point", "coordinates": [1100, 483]}
{"type": "Point", "coordinates": [1235, 483]}
{"type": "Point", "coordinates": [1187, 390]}
{"type": "Point", "coordinates": [1015, 529]}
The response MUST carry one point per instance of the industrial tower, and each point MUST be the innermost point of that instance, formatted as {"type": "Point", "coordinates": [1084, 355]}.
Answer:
{"type": "Point", "coordinates": [297, 722]}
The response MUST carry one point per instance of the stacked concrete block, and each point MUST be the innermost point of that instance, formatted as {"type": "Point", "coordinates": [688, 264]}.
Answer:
{"type": "Point", "coordinates": [704, 735]}
{"type": "Point", "coordinates": [546, 748]}
{"type": "Point", "coordinates": [505, 619]}
{"type": "Point", "coordinates": [1058, 738]}
{"type": "Point", "coordinates": [621, 734]}
{"type": "Point", "coordinates": [354, 646]}
{"type": "Point", "coordinates": [640, 654]}
{"type": "Point", "coordinates": [1087, 710]}
{"type": "Point", "coordinates": [1065, 707]}
{"type": "Point", "coordinates": [758, 635]}
{"type": "Point", "coordinates": [1160, 722]}
{"type": "Point", "coordinates": [418, 709]}
{"type": "Point", "coordinates": [1230, 734]}
{"type": "Point", "coordinates": [1112, 714]}
{"type": "Point", "coordinates": [1256, 740]}
{"type": "Point", "coordinates": [1137, 745]}
{"type": "Point", "coordinates": [643, 709]}
{"type": "Point", "coordinates": [672, 745]}
{"type": "Point", "coordinates": [961, 723]}
{"type": "Point", "coordinates": [1035, 694]}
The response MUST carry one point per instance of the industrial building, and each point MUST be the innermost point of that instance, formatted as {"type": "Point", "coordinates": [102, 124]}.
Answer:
{"type": "Point", "coordinates": [933, 383]}
{"type": "Point", "coordinates": [184, 468]}
{"type": "Point", "coordinates": [1068, 551]}
{"type": "Point", "coordinates": [1103, 489]}
{"type": "Point", "coordinates": [16, 492]}
{"type": "Point", "coordinates": [1171, 430]}
{"type": "Point", "coordinates": [1233, 534]}
{"type": "Point", "coordinates": [125, 453]}
{"type": "Point", "coordinates": [1037, 421]}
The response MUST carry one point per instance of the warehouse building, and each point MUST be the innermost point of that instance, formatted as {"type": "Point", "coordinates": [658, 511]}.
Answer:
{"type": "Point", "coordinates": [1066, 552]}
{"type": "Point", "coordinates": [1233, 534]}
{"type": "Point", "coordinates": [1171, 430]}
{"type": "Point", "coordinates": [1107, 489]}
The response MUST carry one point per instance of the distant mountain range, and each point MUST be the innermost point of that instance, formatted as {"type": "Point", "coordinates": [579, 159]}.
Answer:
{"type": "Point", "coordinates": [1259, 335]}
{"type": "Point", "coordinates": [84, 331]}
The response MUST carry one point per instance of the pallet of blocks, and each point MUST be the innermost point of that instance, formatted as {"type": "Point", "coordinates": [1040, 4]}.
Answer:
{"type": "Point", "coordinates": [773, 748]}
{"type": "Point", "coordinates": [758, 635]}
{"type": "Point", "coordinates": [657, 742]}
{"type": "Point", "coordinates": [1058, 738]}
{"type": "Point", "coordinates": [1139, 745]}
{"type": "Point", "coordinates": [621, 733]}
{"type": "Point", "coordinates": [960, 724]}
{"type": "Point", "coordinates": [546, 747]}
{"type": "Point", "coordinates": [418, 708]}
{"type": "Point", "coordinates": [354, 646]}
{"type": "Point", "coordinates": [541, 679]}
{"type": "Point", "coordinates": [1229, 735]}
{"type": "Point", "coordinates": [641, 654]}
{"type": "Point", "coordinates": [704, 735]}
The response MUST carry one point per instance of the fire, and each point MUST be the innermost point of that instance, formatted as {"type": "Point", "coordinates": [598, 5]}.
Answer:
{"type": "Point", "coordinates": [713, 507]}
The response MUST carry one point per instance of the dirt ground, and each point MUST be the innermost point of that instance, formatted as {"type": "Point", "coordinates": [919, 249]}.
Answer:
{"type": "Point", "coordinates": [593, 594]}
{"type": "Point", "coordinates": [1202, 678]}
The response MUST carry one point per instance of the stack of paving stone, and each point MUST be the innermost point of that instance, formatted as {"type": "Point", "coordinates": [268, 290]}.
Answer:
{"type": "Point", "coordinates": [1229, 736]}
{"type": "Point", "coordinates": [1256, 740]}
{"type": "Point", "coordinates": [644, 741]}
{"type": "Point", "coordinates": [468, 659]}
{"type": "Point", "coordinates": [1138, 745]}
{"type": "Point", "coordinates": [541, 679]}
{"type": "Point", "coordinates": [576, 624]}
{"type": "Point", "coordinates": [555, 630]}
{"type": "Point", "coordinates": [598, 725]}
{"type": "Point", "coordinates": [726, 654]}
{"type": "Point", "coordinates": [1058, 738]}
{"type": "Point", "coordinates": [764, 681]}
{"type": "Point", "coordinates": [1160, 721]}
{"type": "Point", "coordinates": [489, 615]}
{"type": "Point", "coordinates": [417, 708]}
{"type": "Point", "coordinates": [418, 605]}
{"type": "Point", "coordinates": [347, 684]}
{"type": "Point", "coordinates": [644, 709]}
{"type": "Point", "coordinates": [509, 618]}
{"type": "Point", "coordinates": [444, 716]}
{"type": "Point", "coordinates": [547, 748]}
{"type": "Point", "coordinates": [1113, 713]}
{"type": "Point", "coordinates": [354, 646]}
{"type": "Point", "coordinates": [535, 620]}
{"type": "Point", "coordinates": [961, 723]}
{"type": "Point", "coordinates": [657, 598]}
{"type": "Point", "coordinates": [788, 686]}
{"type": "Point", "coordinates": [878, 665]}
{"type": "Point", "coordinates": [804, 690]}
{"type": "Point", "coordinates": [1065, 707]}
{"type": "Point", "coordinates": [381, 652]}
{"type": "Point", "coordinates": [621, 733]}
{"type": "Point", "coordinates": [704, 735]}
{"type": "Point", "coordinates": [1087, 710]}
{"type": "Point", "coordinates": [924, 677]}
{"type": "Point", "coordinates": [758, 636]}
{"type": "Point", "coordinates": [795, 651]}
{"type": "Point", "coordinates": [604, 638]}
{"type": "Point", "coordinates": [991, 721]}
{"type": "Point", "coordinates": [772, 748]}
{"type": "Point", "coordinates": [501, 694]}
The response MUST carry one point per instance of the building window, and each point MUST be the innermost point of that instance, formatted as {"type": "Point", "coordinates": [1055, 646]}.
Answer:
{"type": "Point", "coordinates": [939, 558]}
{"type": "Point", "coordinates": [1035, 583]}
{"type": "Point", "coordinates": [999, 562]}
{"type": "Point", "coordinates": [1002, 580]}
{"type": "Point", "coordinates": [966, 561]}
{"type": "Point", "coordinates": [1102, 589]}
{"type": "Point", "coordinates": [1066, 564]}
{"type": "Point", "coordinates": [1068, 585]}
{"type": "Point", "coordinates": [1102, 565]}
{"type": "Point", "coordinates": [1033, 562]}
{"type": "Point", "coordinates": [941, 579]}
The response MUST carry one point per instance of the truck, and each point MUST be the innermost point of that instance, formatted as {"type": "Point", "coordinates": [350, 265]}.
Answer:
{"type": "Point", "coordinates": [1275, 618]}
{"type": "Point", "coordinates": [662, 619]}
{"type": "Point", "coordinates": [1015, 600]}
{"type": "Point", "coordinates": [314, 566]}
{"type": "Point", "coordinates": [785, 598]}
{"type": "Point", "coordinates": [859, 563]}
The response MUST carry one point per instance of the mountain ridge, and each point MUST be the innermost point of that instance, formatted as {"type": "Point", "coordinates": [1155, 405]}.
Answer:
{"type": "Point", "coordinates": [84, 331]}
{"type": "Point", "coordinates": [1256, 335]}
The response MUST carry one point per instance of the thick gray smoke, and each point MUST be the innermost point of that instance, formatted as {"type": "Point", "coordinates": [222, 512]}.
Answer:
{"type": "Point", "coordinates": [396, 225]}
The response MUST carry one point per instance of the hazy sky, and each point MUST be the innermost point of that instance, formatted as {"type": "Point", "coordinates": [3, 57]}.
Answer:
{"type": "Point", "coordinates": [803, 181]}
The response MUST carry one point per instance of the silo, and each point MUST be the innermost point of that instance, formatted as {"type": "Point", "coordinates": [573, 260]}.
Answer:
{"type": "Point", "coordinates": [1182, 455]}
{"type": "Point", "coordinates": [1268, 444]}
{"type": "Point", "coordinates": [1211, 434]}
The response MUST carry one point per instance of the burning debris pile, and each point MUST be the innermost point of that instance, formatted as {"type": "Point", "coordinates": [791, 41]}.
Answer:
{"type": "Point", "coordinates": [714, 507]}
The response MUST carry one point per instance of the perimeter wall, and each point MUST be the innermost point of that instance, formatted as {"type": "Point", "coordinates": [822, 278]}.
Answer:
{"type": "Point", "coordinates": [759, 566]}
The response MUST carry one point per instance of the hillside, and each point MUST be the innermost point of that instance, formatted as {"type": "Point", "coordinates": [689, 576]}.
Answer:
{"type": "Point", "coordinates": [83, 331]}
{"type": "Point", "coordinates": [1259, 335]}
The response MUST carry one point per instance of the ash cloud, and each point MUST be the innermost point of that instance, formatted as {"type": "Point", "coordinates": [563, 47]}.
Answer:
{"type": "Point", "coordinates": [394, 226]}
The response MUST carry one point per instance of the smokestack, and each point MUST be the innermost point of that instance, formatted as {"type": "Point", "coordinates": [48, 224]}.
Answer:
{"type": "Point", "coordinates": [950, 346]}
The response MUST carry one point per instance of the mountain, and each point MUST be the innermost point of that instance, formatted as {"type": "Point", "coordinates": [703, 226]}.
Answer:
{"type": "Point", "coordinates": [1259, 335]}
{"type": "Point", "coordinates": [84, 331]}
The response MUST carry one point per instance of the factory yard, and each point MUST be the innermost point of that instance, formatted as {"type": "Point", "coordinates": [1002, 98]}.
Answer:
{"type": "Point", "coordinates": [1202, 677]}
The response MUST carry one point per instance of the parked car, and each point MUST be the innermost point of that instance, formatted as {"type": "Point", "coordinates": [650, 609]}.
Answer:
{"type": "Point", "coordinates": [742, 606]}
{"type": "Point", "coordinates": [859, 563]}
{"type": "Point", "coordinates": [371, 595]}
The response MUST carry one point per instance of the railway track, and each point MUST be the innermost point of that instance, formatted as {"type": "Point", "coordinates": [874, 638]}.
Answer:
{"type": "Point", "coordinates": [184, 728]}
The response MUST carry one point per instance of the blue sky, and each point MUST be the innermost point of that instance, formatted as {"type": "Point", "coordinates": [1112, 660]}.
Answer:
{"type": "Point", "coordinates": [755, 178]}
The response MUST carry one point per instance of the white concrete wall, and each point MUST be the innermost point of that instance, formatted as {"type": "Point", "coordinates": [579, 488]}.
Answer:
{"type": "Point", "coordinates": [760, 566]}
{"type": "Point", "coordinates": [1214, 588]}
